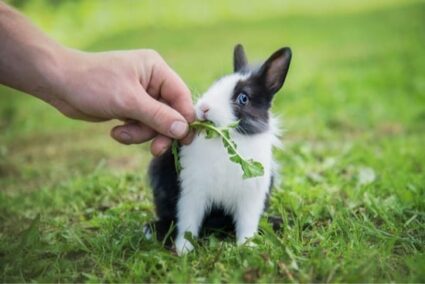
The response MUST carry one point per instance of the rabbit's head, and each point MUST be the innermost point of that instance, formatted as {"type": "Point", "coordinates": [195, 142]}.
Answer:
{"type": "Point", "coordinates": [245, 95]}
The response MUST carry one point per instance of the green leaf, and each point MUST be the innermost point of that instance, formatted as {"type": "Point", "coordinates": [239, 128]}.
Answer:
{"type": "Point", "coordinates": [252, 168]}
{"type": "Point", "coordinates": [175, 151]}
{"type": "Point", "coordinates": [249, 167]}
{"type": "Point", "coordinates": [234, 124]}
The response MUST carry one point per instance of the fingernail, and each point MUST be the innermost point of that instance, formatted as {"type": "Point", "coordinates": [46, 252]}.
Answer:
{"type": "Point", "coordinates": [125, 137]}
{"type": "Point", "coordinates": [178, 128]}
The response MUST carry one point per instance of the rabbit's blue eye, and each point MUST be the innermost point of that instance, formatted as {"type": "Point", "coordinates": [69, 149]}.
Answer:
{"type": "Point", "coordinates": [242, 99]}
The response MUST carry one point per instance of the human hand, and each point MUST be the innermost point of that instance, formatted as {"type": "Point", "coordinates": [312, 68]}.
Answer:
{"type": "Point", "coordinates": [137, 87]}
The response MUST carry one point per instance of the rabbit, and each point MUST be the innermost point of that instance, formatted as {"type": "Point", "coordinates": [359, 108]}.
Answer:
{"type": "Point", "coordinates": [209, 191]}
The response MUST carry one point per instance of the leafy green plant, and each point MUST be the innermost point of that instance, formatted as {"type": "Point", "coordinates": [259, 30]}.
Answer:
{"type": "Point", "coordinates": [250, 167]}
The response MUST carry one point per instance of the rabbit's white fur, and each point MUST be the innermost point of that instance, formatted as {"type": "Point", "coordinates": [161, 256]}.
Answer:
{"type": "Point", "coordinates": [208, 176]}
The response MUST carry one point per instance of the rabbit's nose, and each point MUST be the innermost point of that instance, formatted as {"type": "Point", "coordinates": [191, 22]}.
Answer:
{"type": "Point", "coordinates": [204, 108]}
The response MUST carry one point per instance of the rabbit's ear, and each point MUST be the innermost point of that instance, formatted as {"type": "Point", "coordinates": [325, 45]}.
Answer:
{"type": "Point", "coordinates": [273, 72]}
{"type": "Point", "coordinates": [239, 59]}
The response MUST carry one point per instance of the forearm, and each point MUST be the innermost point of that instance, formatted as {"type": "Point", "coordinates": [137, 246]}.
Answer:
{"type": "Point", "coordinates": [29, 60]}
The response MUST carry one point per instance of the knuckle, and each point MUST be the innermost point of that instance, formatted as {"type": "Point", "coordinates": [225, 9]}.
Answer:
{"type": "Point", "coordinates": [151, 54]}
{"type": "Point", "coordinates": [157, 59]}
{"type": "Point", "coordinates": [154, 53]}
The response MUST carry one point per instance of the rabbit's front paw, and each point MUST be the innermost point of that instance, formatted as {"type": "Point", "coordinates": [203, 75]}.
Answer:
{"type": "Point", "coordinates": [147, 231]}
{"type": "Point", "coordinates": [183, 246]}
{"type": "Point", "coordinates": [247, 242]}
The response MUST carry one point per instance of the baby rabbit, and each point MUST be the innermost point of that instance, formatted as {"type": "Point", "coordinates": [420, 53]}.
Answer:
{"type": "Point", "coordinates": [209, 191]}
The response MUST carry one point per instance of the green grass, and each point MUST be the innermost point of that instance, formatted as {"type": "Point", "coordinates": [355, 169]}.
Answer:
{"type": "Point", "coordinates": [72, 201]}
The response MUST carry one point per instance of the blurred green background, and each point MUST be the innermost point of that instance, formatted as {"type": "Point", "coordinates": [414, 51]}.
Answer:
{"type": "Point", "coordinates": [72, 200]}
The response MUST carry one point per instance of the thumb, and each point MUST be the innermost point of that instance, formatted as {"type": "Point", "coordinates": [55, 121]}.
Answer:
{"type": "Point", "coordinates": [158, 116]}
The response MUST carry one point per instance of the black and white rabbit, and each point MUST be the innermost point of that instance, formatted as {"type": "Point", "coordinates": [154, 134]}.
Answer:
{"type": "Point", "coordinates": [210, 191]}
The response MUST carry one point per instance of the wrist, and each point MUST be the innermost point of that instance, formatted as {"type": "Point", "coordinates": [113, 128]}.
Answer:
{"type": "Point", "coordinates": [49, 63]}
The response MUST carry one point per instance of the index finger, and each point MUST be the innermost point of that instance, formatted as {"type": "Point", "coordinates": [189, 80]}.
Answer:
{"type": "Point", "coordinates": [172, 90]}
